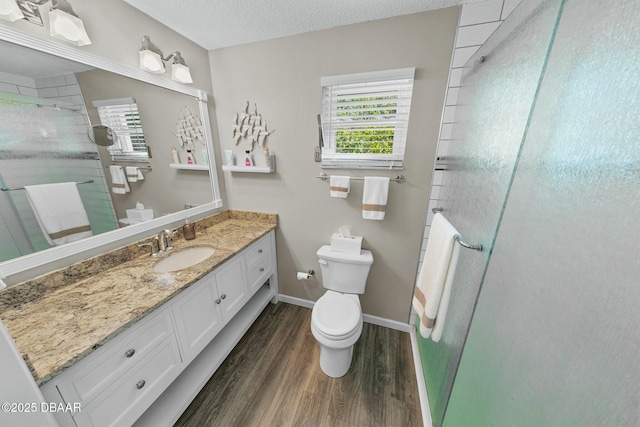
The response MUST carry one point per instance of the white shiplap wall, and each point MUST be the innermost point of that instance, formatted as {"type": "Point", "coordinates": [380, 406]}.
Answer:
{"type": "Point", "coordinates": [477, 22]}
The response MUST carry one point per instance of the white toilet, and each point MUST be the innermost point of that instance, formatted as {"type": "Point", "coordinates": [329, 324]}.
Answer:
{"type": "Point", "coordinates": [336, 319]}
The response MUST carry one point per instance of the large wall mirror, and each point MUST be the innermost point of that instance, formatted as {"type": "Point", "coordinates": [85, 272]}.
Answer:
{"type": "Point", "coordinates": [49, 100]}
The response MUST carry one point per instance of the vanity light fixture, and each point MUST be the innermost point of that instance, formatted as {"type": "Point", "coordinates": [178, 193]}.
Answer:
{"type": "Point", "coordinates": [64, 23]}
{"type": "Point", "coordinates": [151, 57]}
{"type": "Point", "coordinates": [152, 60]}
{"type": "Point", "coordinates": [10, 11]}
{"type": "Point", "coordinates": [179, 70]}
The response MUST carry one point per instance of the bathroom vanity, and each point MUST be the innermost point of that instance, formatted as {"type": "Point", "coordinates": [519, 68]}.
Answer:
{"type": "Point", "coordinates": [130, 345]}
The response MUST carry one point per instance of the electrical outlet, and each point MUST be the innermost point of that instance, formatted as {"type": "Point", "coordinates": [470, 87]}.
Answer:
{"type": "Point", "coordinates": [317, 154]}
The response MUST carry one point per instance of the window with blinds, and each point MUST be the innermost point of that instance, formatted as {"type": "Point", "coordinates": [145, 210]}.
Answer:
{"type": "Point", "coordinates": [365, 118]}
{"type": "Point", "coordinates": [123, 117]}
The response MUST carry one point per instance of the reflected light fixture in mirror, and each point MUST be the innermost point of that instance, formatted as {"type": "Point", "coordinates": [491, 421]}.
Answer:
{"type": "Point", "coordinates": [10, 11]}
{"type": "Point", "coordinates": [152, 61]}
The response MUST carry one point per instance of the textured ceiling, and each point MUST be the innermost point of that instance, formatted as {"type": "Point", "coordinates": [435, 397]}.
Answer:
{"type": "Point", "coordinates": [220, 23]}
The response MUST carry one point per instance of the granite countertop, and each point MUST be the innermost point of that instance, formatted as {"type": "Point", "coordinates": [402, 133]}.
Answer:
{"type": "Point", "coordinates": [60, 318]}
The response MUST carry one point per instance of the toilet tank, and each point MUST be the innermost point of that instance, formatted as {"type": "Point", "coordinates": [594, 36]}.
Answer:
{"type": "Point", "coordinates": [343, 272]}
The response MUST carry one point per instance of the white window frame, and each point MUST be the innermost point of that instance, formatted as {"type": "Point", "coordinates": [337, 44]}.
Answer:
{"type": "Point", "coordinates": [399, 83]}
{"type": "Point", "coordinates": [113, 114]}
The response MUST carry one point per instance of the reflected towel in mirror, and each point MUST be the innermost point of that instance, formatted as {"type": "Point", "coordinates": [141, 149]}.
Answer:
{"type": "Point", "coordinates": [59, 211]}
{"type": "Point", "coordinates": [134, 174]}
{"type": "Point", "coordinates": [119, 184]}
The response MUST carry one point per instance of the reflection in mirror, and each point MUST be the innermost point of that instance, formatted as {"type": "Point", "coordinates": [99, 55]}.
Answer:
{"type": "Point", "coordinates": [102, 135]}
{"type": "Point", "coordinates": [46, 107]}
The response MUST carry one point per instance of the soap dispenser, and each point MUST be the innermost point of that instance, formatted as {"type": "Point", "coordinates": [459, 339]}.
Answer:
{"type": "Point", "coordinates": [189, 230]}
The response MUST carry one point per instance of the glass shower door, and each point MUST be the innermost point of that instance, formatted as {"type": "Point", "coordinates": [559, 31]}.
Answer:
{"type": "Point", "coordinates": [554, 340]}
{"type": "Point", "coordinates": [498, 88]}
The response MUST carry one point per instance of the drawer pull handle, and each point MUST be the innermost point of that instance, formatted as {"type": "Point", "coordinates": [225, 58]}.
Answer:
{"type": "Point", "coordinates": [218, 301]}
{"type": "Point", "coordinates": [261, 269]}
{"type": "Point", "coordinates": [223, 296]}
{"type": "Point", "coordinates": [140, 384]}
{"type": "Point", "coordinates": [259, 251]}
{"type": "Point", "coordinates": [130, 352]}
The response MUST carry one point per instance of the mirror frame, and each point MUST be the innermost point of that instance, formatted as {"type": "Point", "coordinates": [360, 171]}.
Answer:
{"type": "Point", "coordinates": [68, 254]}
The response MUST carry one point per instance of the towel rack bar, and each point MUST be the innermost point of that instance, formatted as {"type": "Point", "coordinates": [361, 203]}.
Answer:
{"type": "Point", "coordinates": [22, 188]}
{"type": "Point", "coordinates": [477, 247]}
{"type": "Point", "coordinates": [399, 178]}
{"type": "Point", "coordinates": [436, 210]}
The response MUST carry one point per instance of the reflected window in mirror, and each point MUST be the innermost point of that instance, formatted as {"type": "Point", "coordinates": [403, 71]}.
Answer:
{"type": "Point", "coordinates": [121, 115]}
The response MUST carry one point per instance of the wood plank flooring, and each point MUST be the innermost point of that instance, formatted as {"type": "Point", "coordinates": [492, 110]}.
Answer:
{"type": "Point", "coordinates": [273, 378]}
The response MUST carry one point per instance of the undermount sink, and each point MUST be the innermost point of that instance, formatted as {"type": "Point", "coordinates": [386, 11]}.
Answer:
{"type": "Point", "coordinates": [183, 258]}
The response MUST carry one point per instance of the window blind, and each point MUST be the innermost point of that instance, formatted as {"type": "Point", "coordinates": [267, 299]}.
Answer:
{"type": "Point", "coordinates": [365, 118]}
{"type": "Point", "coordinates": [123, 117]}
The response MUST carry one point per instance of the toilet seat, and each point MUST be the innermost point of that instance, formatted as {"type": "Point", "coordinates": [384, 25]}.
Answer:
{"type": "Point", "coordinates": [336, 316]}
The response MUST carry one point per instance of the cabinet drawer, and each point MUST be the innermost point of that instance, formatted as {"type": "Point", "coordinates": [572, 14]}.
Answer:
{"type": "Point", "coordinates": [258, 250]}
{"type": "Point", "coordinates": [126, 399]}
{"type": "Point", "coordinates": [259, 273]}
{"type": "Point", "coordinates": [97, 371]}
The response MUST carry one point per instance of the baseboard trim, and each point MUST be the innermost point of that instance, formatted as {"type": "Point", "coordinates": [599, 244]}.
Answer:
{"type": "Point", "coordinates": [422, 386]}
{"type": "Point", "coordinates": [375, 320]}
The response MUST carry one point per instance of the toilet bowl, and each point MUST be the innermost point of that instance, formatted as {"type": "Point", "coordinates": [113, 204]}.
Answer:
{"type": "Point", "coordinates": [336, 318]}
{"type": "Point", "coordinates": [336, 323]}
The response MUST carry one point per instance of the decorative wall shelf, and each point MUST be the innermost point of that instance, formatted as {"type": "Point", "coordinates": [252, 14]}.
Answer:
{"type": "Point", "coordinates": [189, 167]}
{"type": "Point", "coordinates": [252, 169]}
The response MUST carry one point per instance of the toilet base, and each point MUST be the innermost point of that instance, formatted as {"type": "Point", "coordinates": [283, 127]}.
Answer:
{"type": "Point", "coordinates": [335, 362]}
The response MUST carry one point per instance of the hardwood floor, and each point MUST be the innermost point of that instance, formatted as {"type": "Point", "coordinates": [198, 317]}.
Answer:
{"type": "Point", "coordinates": [273, 378]}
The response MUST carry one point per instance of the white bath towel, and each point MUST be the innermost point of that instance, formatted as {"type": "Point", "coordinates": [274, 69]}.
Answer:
{"type": "Point", "coordinates": [374, 197]}
{"type": "Point", "coordinates": [339, 186]}
{"type": "Point", "coordinates": [432, 293]}
{"type": "Point", "coordinates": [119, 184]}
{"type": "Point", "coordinates": [59, 211]}
{"type": "Point", "coordinates": [134, 174]}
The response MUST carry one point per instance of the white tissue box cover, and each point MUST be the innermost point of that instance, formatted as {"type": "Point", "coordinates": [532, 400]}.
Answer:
{"type": "Point", "coordinates": [350, 245]}
{"type": "Point", "coordinates": [140, 214]}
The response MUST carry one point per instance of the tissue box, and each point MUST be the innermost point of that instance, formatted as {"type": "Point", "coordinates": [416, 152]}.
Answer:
{"type": "Point", "coordinates": [138, 215]}
{"type": "Point", "coordinates": [350, 245]}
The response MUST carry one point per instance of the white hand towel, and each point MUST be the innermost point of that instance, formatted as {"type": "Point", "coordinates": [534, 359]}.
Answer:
{"type": "Point", "coordinates": [339, 186]}
{"type": "Point", "coordinates": [59, 211]}
{"type": "Point", "coordinates": [119, 184]}
{"type": "Point", "coordinates": [132, 173]}
{"type": "Point", "coordinates": [432, 293]}
{"type": "Point", "coordinates": [374, 197]}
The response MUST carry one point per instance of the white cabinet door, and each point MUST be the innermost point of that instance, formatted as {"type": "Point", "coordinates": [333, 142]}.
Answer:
{"type": "Point", "coordinates": [198, 317]}
{"type": "Point", "coordinates": [232, 286]}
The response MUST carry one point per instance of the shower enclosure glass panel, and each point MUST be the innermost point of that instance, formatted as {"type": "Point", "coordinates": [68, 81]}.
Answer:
{"type": "Point", "coordinates": [555, 337]}
{"type": "Point", "coordinates": [498, 87]}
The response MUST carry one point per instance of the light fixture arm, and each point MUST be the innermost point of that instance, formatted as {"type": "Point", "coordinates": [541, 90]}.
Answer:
{"type": "Point", "coordinates": [147, 44]}
{"type": "Point", "coordinates": [64, 6]}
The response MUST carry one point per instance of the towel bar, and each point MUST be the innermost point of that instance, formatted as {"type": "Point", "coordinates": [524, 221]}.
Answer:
{"type": "Point", "coordinates": [477, 247]}
{"type": "Point", "coordinates": [458, 238]}
{"type": "Point", "coordinates": [22, 188]}
{"type": "Point", "coordinates": [399, 178]}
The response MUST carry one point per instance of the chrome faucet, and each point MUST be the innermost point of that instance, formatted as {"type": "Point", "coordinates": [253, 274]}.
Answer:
{"type": "Point", "coordinates": [154, 244]}
{"type": "Point", "coordinates": [164, 240]}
